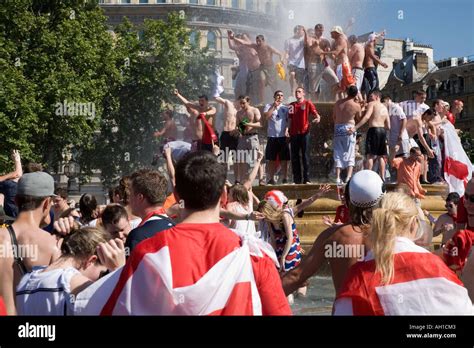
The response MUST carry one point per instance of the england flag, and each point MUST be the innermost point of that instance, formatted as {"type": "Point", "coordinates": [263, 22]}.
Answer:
{"type": "Point", "coordinates": [457, 165]}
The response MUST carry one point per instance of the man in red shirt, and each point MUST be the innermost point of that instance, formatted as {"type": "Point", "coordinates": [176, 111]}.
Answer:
{"type": "Point", "coordinates": [299, 129]}
{"type": "Point", "coordinates": [198, 267]}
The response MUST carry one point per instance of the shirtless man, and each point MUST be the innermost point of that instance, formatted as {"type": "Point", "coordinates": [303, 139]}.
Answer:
{"type": "Point", "coordinates": [267, 67]}
{"type": "Point", "coordinates": [356, 59]}
{"type": "Point", "coordinates": [370, 73]}
{"type": "Point", "coordinates": [197, 125]}
{"type": "Point", "coordinates": [355, 235]}
{"type": "Point", "coordinates": [379, 125]}
{"type": "Point", "coordinates": [344, 114]}
{"type": "Point", "coordinates": [339, 50]}
{"type": "Point", "coordinates": [316, 66]}
{"type": "Point", "coordinates": [248, 64]}
{"type": "Point", "coordinates": [399, 143]}
{"type": "Point", "coordinates": [229, 138]}
{"type": "Point", "coordinates": [169, 131]}
{"type": "Point", "coordinates": [415, 129]}
{"type": "Point", "coordinates": [35, 246]}
{"type": "Point", "coordinates": [248, 118]}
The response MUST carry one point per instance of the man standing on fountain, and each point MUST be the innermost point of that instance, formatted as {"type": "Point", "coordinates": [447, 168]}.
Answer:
{"type": "Point", "coordinates": [317, 66]}
{"type": "Point", "coordinates": [370, 72]}
{"type": "Point", "coordinates": [339, 50]}
{"type": "Point", "coordinates": [294, 54]}
{"type": "Point", "coordinates": [379, 124]}
{"type": "Point", "coordinates": [267, 67]}
{"type": "Point", "coordinates": [198, 124]}
{"type": "Point", "coordinates": [344, 114]}
{"type": "Point", "coordinates": [299, 129]}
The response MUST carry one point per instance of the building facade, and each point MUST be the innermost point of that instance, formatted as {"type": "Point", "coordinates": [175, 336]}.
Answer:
{"type": "Point", "coordinates": [210, 18]}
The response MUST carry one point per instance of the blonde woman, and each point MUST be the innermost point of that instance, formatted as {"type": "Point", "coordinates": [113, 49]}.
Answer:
{"type": "Point", "coordinates": [86, 253]}
{"type": "Point", "coordinates": [397, 277]}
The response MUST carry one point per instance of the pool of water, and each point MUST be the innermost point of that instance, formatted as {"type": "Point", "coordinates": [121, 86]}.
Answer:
{"type": "Point", "coordinates": [319, 297]}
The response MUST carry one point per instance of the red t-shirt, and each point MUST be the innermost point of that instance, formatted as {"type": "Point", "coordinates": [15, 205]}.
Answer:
{"type": "Point", "coordinates": [342, 214]}
{"type": "Point", "coordinates": [196, 248]}
{"type": "Point", "coordinates": [299, 116]}
{"type": "Point", "coordinates": [457, 249]}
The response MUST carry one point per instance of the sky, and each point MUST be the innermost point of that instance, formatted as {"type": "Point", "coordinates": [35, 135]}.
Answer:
{"type": "Point", "coordinates": [446, 25]}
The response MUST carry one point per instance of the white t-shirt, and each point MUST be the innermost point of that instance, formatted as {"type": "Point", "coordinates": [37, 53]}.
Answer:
{"type": "Point", "coordinates": [396, 116]}
{"type": "Point", "coordinates": [243, 226]}
{"type": "Point", "coordinates": [278, 122]}
{"type": "Point", "coordinates": [295, 49]}
{"type": "Point", "coordinates": [411, 108]}
{"type": "Point", "coordinates": [46, 293]}
{"type": "Point", "coordinates": [178, 149]}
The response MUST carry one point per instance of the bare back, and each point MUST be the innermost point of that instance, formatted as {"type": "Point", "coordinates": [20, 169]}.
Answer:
{"type": "Point", "coordinates": [379, 117]}
{"type": "Point", "coordinates": [39, 249]}
{"type": "Point", "coordinates": [346, 111]}
{"type": "Point", "coordinates": [356, 55]}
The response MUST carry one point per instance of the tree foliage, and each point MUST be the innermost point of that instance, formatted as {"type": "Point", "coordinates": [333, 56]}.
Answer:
{"type": "Point", "coordinates": [55, 52]}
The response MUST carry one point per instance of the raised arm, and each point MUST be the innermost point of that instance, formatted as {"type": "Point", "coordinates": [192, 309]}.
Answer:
{"type": "Point", "coordinates": [183, 100]}
{"type": "Point", "coordinates": [230, 40]}
{"type": "Point", "coordinates": [323, 189]}
{"type": "Point", "coordinates": [170, 166]}
{"type": "Point", "coordinates": [222, 101]}
{"type": "Point", "coordinates": [18, 172]}
{"type": "Point", "coordinates": [254, 172]}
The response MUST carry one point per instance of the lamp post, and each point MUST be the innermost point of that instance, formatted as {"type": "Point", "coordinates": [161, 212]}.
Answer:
{"type": "Point", "coordinates": [72, 170]}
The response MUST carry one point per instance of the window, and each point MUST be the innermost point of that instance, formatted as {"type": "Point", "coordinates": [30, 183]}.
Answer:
{"type": "Point", "coordinates": [125, 1]}
{"type": "Point", "coordinates": [161, 1]}
{"type": "Point", "coordinates": [193, 38]}
{"type": "Point", "coordinates": [235, 4]}
{"type": "Point", "coordinates": [249, 5]}
{"type": "Point", "coordinates": [211, 40]}
{"type": "Point", "coordinates": [211, 2]}
{"type": "Point", "coordinates": [193, 2]}
{"type": "Point", "coordinates": [143, 1]}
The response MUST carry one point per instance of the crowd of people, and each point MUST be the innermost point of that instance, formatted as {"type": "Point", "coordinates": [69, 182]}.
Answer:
{"type": "Point", "coordinates": [192, 242]}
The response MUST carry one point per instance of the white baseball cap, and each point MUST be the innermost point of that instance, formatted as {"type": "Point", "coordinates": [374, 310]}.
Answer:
{"type": "Point", "coordinates": [366, 188]}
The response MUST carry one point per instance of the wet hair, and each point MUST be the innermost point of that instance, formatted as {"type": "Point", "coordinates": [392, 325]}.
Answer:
{"type": "Point", "coordinates": [200, 180]}
{"type": "Point", "coordinates": [240, 194]}
{"type": "Point", "coordinates": [33, 167]}
{"type": "Point", "coordinates": [87, 206]}
{"type": "Point", "coordinates": [414, 150]}
{"type": "Point", "coordinates": [352, 91]}
{"type": "Point", "coordinates": [82, 243]}
{"type": "Point", "coordinates": [385, 98]}
{"type": "Point", "coordinates": [261, 37]}
{"type": "Point", "coordinates": [318, 26]}
{"type": "Point", "coordinates": [61, 192]}
{"type": "Point", "coordinates": [113, 213]}
{"type": "Point", "coordinates": [204, 97]}
{"type": "Point", "coordinates": [28, 203]}
{"type": "Point", "coordinates": [276, 92]}
{"type": "Point", "coordinates": [453, 197]}
{"type": "Point", "coordinates": [151, 184]}
{"type": "Point", "coordinates": [246, 98]}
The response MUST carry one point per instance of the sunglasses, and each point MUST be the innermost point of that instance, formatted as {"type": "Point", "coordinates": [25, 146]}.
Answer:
{"type": "Point", "coordinates": [469, 198]}
{"type": "Point", "coordinates": [449, 205]}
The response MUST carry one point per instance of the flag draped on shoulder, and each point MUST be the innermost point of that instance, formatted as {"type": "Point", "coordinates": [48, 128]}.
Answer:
{"type": "Point", "coordinates": [457, 165]}
{"type": "Point", "coordinates": [144, 286]}
{"type": "Point", "coordinates": [422, 285]}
